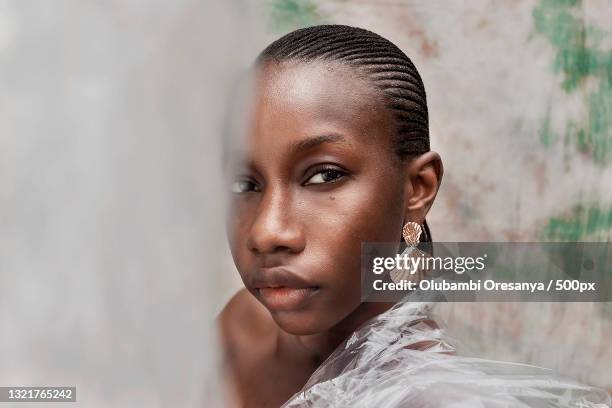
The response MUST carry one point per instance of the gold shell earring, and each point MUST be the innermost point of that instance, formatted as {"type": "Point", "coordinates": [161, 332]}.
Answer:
{"type": "Point", "coordinates": [412, 233]}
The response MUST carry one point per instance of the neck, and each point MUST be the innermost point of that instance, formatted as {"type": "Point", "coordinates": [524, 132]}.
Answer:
{"type": "Point", "coordinates": [323, 344]}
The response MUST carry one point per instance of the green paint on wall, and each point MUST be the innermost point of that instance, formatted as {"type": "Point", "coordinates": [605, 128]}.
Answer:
{"type": "Point", "coordinates": [600, 121]}
{"type": "Point", "coordinates": [579, 58]}
{"type": "Point", "coordinates": [591, 223]}
{"type": "Point", "coordinates": [289, 15]}
{"type": "Point", "coordinates": [547, 136]}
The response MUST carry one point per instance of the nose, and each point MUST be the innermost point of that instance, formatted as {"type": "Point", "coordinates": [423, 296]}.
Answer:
{"type": "Point", "coordinates": [275, 227]}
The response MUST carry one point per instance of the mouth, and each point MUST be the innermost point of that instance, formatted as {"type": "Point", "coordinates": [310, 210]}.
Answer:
{"type": "Point", "coordinates": [282, 289]}
{"type": "Point", "coordinates": [284, 298]}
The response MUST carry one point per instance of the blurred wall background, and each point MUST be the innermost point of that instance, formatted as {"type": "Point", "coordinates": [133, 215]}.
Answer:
{"type": "Point", "coordinates": [111, 246]}
{"type": "Point", "coordinates": [520, 102]}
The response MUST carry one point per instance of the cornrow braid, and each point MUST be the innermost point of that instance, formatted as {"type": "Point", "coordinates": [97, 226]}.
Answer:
{"type": "Point", "coordinates": [384, 64]}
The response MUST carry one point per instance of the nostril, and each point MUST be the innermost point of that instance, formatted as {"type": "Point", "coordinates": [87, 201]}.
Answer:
{"type": "Point", "coordinates": [272, 241]}
{"type": "Point", "coordinates": [265, 246]}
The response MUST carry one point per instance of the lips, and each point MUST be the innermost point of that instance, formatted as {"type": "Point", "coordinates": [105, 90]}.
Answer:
{"type": "Point", "coordinates": [282, 289]}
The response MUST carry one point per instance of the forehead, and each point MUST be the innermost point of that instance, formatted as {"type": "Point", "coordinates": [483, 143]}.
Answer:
{"type": "Point", "coordinates": [297, 99]}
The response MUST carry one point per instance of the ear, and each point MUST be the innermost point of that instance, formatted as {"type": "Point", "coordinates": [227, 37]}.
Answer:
{"type": "Point", "coordinates": [423, 178]}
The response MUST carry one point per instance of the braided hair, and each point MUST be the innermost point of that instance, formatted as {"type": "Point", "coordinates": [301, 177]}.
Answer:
{"type": "Point", "coordinates": [382, 62]}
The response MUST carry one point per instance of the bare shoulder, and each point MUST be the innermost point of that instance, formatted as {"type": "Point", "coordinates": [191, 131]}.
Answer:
{"type": "Point", "coordinates": [256, 373]}
{"type": "Point", "coordinates": [245, 326]}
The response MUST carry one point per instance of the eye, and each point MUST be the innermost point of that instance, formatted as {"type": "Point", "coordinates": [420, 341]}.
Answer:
{"type": "Point", "coordinates": [244, 186]}
{"type": "Point", "coordinates": [326, 175]}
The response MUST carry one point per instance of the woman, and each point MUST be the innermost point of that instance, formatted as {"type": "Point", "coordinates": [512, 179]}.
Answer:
{"type": "Point", "coordinates": [337, 153]}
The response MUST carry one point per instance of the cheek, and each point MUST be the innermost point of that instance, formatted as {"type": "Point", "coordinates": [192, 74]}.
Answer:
{"type": "Point", "coordinates": [232, 224]}
{"type": "Point", "coordinates": [360, 211]}
{"type": "Point", "coordinates": [236, 230]}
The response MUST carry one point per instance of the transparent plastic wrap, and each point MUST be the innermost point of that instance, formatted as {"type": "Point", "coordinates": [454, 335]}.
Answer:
{"type": "Point", "coordinates": [402, 358]}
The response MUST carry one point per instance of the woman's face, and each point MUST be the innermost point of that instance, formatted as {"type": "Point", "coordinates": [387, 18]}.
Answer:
{"type": "Point", "coordinates": [316, 177]}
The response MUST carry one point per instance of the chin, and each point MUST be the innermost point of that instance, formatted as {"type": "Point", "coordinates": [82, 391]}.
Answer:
{"type": "Point", "coordinates": [301, 323]}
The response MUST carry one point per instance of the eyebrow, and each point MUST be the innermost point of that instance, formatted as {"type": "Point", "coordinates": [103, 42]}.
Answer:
{"type": "Point", "coordinates": [297, 147]}
{"type": "Point", "coordinates": [316, 141]}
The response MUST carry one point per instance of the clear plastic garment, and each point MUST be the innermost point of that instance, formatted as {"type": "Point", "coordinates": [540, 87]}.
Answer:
{"type": "Point", "coordinates": [403, 358]}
